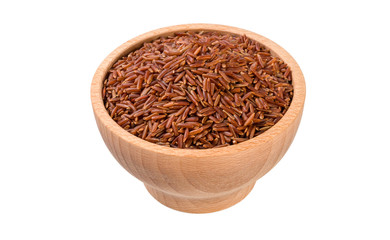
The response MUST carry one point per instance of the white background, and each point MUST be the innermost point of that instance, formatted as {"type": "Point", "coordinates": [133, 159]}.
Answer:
{"type": "Point", "coordinates": [59, 181]}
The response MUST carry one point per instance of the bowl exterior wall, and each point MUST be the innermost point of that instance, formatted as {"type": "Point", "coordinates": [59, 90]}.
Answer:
{"type": "Point", "coordinates": [197, 176]}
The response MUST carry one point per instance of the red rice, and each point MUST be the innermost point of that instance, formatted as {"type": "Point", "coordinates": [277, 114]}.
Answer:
{"type": "Point", "coordinates": [198, 90]}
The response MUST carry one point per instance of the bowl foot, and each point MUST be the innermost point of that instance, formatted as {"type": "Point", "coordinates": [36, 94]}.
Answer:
{"type": "Point", "coordinates": [200, 205]}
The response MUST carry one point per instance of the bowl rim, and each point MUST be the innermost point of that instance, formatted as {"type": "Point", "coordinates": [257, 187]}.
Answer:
{"type": "Point", "coordinates": [294, 111]}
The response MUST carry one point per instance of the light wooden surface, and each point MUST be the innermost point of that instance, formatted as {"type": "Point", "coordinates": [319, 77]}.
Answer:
{"type": "Point", "coordinates": [193, 180]}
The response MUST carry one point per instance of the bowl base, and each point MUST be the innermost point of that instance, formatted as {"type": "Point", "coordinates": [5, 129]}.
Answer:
{"type": "Point", "coordinates": [200, 205]}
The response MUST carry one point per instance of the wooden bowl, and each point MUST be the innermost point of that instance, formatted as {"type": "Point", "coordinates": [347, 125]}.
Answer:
{"type": "Point", "coordinates": [198, 180]}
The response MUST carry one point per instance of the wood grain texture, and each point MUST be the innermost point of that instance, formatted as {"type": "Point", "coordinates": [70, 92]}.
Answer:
{"type": "Point", "coordinates": [198, 180]}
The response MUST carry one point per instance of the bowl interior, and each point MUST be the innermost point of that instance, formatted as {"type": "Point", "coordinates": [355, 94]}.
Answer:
{"type": "Point", "coordinates": [292, 113]}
